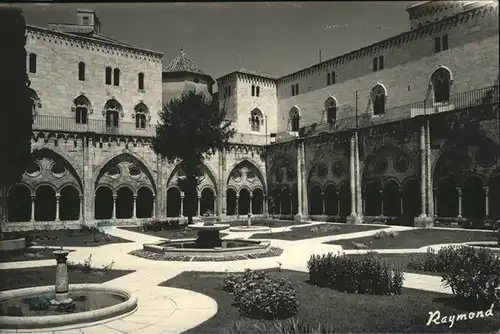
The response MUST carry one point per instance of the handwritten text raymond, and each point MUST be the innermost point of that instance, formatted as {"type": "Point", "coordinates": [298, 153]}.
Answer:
{"type": "Point", "coordinates": [435, 317]}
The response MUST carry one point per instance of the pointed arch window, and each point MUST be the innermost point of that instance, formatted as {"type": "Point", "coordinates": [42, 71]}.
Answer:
{"type": "Point", "coordinates": [82, 109]}
{"type": "Point", "coordinates": [32, 63]}
{"type": "Point", "coordinates": [378, 97]}
{"type": "Point", "coordinates": [140, 81]}
{"type": "Point", "coordinates": [36, 104]}
{"type": "Point", "coordinates": [108, 75]}
{"type": "Point", "coordinates": [112, 111]}
{"type": "Point", "coordinates": [116, 77]}
{"type": "Point", "coordinates": [256, 119]}
{"type": "Point", "coordinates": [331, 110]}
{"type": "Point", "coordinates": [81, 71]}
{"type": "Point", "coordinates": [295, 119]}
{"type": "Point", "coordinates": [441, 83]}
{"type": "Point", "coordinates": [141, 116]}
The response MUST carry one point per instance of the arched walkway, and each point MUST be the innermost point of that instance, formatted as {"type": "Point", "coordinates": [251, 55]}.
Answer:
{"type": "Point", "coordinates": [230, 202]}
{"type": "Point", "coordinates": [494, 198]}
{"type": "Point", "coordinates": [345, 200]}
{"type": "Point", "coordinates": [19, 204]}
{"type": "Point", "coordinates": [295, 200]}
{"type": "Point", "coordinates": [316, 200]}
{"type": "Point", "coordinates": [45, 204]}
{"type": "Point", "coordinates": [274, 201]}
{"type": "Point", "coordinates": [391, 199]}
{"type": "Point", "coordinates": [144, 203]}
{"type": "Point", "coordinates": [473, 198]}
{"type": "Point", "coordinates": [244, 202]}
{"type": "Point", "coordinates": [103, 208]}
{"type": "Point", "coordinates": [257, 201]}
{"type": "Point", "coordinates": [411, 200]}
{"type": "Point", "coordinates": [286, 201]}
{"type": "Point", "coordinates": [190, 204]}
{"type": "Point", "coordinates": [69, 204]}
{"type": "Point", "coordinates": [124, 203]}
{"type": "Point", "coordinates": [447, 198]}
{"type": "Point", "coordinates": [373, 199]}
{"type": "Point", "coordinates": [331, 200]}
{"type": "Point", "coordinates": [173, 202]}
{"type": "Point", "coordinates": [207, 201]}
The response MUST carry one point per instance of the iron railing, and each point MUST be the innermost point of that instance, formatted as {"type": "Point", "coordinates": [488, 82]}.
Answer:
{"type": "Point", "coordinates": [462, 100]}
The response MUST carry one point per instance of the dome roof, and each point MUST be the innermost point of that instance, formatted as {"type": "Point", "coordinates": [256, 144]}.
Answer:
{"type": "Point", "coordinates": [182, 63]}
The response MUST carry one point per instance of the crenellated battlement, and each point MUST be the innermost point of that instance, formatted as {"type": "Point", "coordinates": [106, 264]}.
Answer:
{"type": "Point", "coordinates": [93, 44]}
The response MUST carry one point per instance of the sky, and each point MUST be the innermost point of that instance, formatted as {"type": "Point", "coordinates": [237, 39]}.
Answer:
{"type": "Point", "coordinates": [270, 37]}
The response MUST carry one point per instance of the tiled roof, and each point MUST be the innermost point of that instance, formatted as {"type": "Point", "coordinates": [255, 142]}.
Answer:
{"type": "Point", "coordinates": [182, 63]}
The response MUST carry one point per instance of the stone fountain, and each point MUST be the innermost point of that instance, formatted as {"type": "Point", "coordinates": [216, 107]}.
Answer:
{"type": "Point", "coordinates": [249, 227]}
{"type": "Point", "coordinates": [61, 287]}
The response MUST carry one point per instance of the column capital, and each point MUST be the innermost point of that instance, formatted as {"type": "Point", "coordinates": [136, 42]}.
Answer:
{"type": "Point", "coordinates": [33, 197]}
{"type": "Point", "coordinates": [486, 189]}
{"type": "Point", "coordinates": [58, 196]}
{"type": "Point", "coordinates": [115, 197]}
{"type": "Point", "coordinates": [135, 197]}
{"type": "Point", "coordinates": [459, 189]}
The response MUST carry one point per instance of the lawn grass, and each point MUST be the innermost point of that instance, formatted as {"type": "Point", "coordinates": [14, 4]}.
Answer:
{"type": "Point", "coordinates": [171, 233]}
{"type": "Point", "coordinates": [346, 313]}
{"type": "Point", "coordinates": [416, 239]}
{"type": "Point", "coordinates": [67, 238]}
{"type": "Point", "coordinates": [27, 254]}
{"type": "Point", "coordinates": [316, 231]}
{"type": "Point", "coordinates": [42, 276]}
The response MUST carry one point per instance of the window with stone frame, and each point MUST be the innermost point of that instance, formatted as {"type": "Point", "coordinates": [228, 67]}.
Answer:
{"type": "Point", "coordinates": [82, 109]}
{"type": "Point", "coordinates": [378, 97]}
{"type": "Point", "coordinates": [116, 77]}
{"type": "Point", "coordinates": [32, 63]}
{"type": "Point", "coordinates": [140, 81]}
{"type": "Point", "coordinates": [141, 116]}
{"type": "Point", "coordinates": [295, 119]}
{"type": "Point", "coordinates": [441, 84]}
{"type": "Point", "coordinates": [257, 91]}
{"type": "Point", "coordinates": [331, 110]}
{"type": "Point", "coordinates": [108, 75]}
{"type": "Point", "coordinates": [256, 120]}
{"type": "Point", "coordinates": [112, 111]}
{"type": "Point", "coordinates": [253, 90]}
{"type": "Point", "coordinates": [81, 71]}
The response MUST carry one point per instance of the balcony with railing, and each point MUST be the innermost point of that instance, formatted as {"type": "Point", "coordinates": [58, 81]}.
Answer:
{"type": "Point", "coordinates": [462, 100]}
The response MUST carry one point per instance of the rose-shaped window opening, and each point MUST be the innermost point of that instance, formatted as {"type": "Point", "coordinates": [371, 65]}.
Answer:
{"type": "Point", "coordinates": [250, 175]}
{"type": "Point", "coordinates": [58, 169]}
{"type": "Point", "coordinates": [486, 156]}
{"type": "Point", "coordinates": [401, 164]}
{"type": "Point", "coordinates": [114, 172]}
{"type": "Point", "coordinates": [33, 169]}
{"type": "Point", "coordinates": [279, 175]}
{"type": "Point", "coordinates": [337, 169]}
{"type": "Point", "coordinates": [379, 166]}
{"type": "Point", "coordinates": [236, 175]}
{"type": "Point", "coordinates": [134, 171]}
{"type": "Point", "coordinates": [322, 170]}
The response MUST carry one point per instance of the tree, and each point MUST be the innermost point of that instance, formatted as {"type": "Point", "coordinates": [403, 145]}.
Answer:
{"type": "Point", "coordinates": [16, 117]}
{"type": "Point", "coordinates": [192, 128]}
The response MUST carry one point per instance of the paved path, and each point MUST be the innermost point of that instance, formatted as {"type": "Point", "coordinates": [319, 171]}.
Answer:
{"type": "Point", "coordinates": [170, 310]}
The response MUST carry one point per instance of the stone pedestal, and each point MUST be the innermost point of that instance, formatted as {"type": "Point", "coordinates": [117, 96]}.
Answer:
{"type": "Point", "coordinates": [209, 239]}
{"type": "Point", "coordinates": [424, 221]}
{"type": "Point", "coordinates": [354, 219]}
{"type": "Point", "coordinates": [249, 221]}
{"type": "Point", "coordinates": [61, 287]}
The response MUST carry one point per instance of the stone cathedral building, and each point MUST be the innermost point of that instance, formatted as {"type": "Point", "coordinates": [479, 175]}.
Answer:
{"type": "Point", "coordinates": [404, 130]}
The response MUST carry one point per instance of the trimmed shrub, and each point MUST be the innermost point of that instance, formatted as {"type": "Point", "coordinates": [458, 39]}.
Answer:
{"type": "Point", "coordinates": [232, 279]}
{"type": "Point", "coordinates": [473, 274]}
{"type": "Point", "coordinates": [295, 326]}
{"type": "Point", "coordinates": [366, 273]}
{"type": "Point", "coordinates": [157, 225]}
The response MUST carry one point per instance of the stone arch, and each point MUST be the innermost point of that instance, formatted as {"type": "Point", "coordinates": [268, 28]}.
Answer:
{"type": "Point", "coordinates": [173, 195]}
{"type": "Point", "coordinates": [331, 106]}
{"type": "Point", "coordinates": [37, 103]}
{"type": "Point", "coordinates": [22, 183]}
{"type": "Point", "coordinates": [124, 202]}
{"type": "Point", "coordinates": [441, 80]}
{"type": "Point", "coordinates": [378, 97]}
{"type": "Point", "coordinates": [329, 184]}
{"type": "Point", "coordinates": [112, 112]}
{"type": "Point", "coordinates": [124, 161]}
{"type": "Point", "coordinates": [330, 197]}
{"type": "Point", "coordinates": [141, 115]}
{"type": "Point", "coordinates": [251, 175]}
{"type": "Point", "coordinates": [380, 164]}
{"type": "Point", "coordinates": [81, 108]}
{"type": "Point", "coordinates": [256, 119]}
{"type": "Point", "coordinates": [144, 202]}
{"type": "Point", "coordinates": [441, 67]}
{"type": "Point", "coordinates": [45, 184]}
{"type": "Point", "coordinates": [207, 200]}
{"type": "Point", "coordinates": [45, 202]}
{"type": "Point", "coordinates": [19, 197]}
{"type": "Point", "coordinates": [69, 202]}
{"type": "Point", "coordinates": [103, 202]}
{"type": "Point", "coordinates": [294, 118]}
{"type": "Point", "coordinates": [172, 178]}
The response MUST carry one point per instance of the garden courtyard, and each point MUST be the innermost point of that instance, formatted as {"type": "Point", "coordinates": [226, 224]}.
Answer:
{"type": "Point", "coordinates": [187, 296]}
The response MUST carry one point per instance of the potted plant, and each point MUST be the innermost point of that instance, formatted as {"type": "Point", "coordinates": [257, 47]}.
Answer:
{"type": "Point", "coordinates": [208, 218]}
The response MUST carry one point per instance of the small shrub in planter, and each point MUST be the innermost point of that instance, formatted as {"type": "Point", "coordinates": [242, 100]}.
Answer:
{"type": "Point", "coordinates": [268, 298]}
{"type": "Point", "coordinates": [367, 273]}
{"type": "Point", "coordinates": [473, 274]}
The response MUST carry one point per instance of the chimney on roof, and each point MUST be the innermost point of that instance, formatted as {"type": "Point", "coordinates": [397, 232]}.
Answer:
{"type": "Point", "coordinates": [87, 17]}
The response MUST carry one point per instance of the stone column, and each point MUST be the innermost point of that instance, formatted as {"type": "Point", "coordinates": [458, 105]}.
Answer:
{"type": "Point", "coordinates": [299, 179]}
{"type": "Point", "coordinates": [88, 179]}
{"type": "Point", "coordinates": [250, 204]}
{"type": "Point", "coordinates": [153, 214]}
{"type": "Point", "coordinates": [359, 194]}
{"type": "Point", "coordinates": [323, 211]}
{"type": "Point", "coordinates": [114, 206]}
{"type": "Point", "coordinates": [237, 204]}
{"type": "Point", "coordinates": [486, 201]}
{"type": "Point", "coordinates": [401, 207]}
{"type": "Point", "coordinates": [430, 195]}
{"type": "Point", "coordinates": [264, 204]}
{"type": "Point", "coordinates": [352, 169]}
{"type": "Point", "coordinates": [61, 286]}
{"type": "Point", "coordinates": [381, 192]}
{"type": "Point", "coordinates": [33, 198]}
{"type": "Point", "coordinates": [338, 203]}
{"type": "Point", "coordinates": [305, 194]}
{"type": "Point", "coordinates": [157, 205]}
{"type": "Point", "coordinates": [57, 207]}
{"type": "Point", "coordinates": [199, 205]}
{"type": "Point", "coordinates": [182, 204]}
{"type": "Point", "coordinates": [215, 205]}
{"type": "Point", "coordinates": [423, 214]}
{"type": "Point", "coordinates": [134, 211]}
{"type": "Point", "coordinates": [434, 193]}
{"type": "Point", "coordinates": [459, 190]}
{"type": "Point", "coordinates": [80, 215]}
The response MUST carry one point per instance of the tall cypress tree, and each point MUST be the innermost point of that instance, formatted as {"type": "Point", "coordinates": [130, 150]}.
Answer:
{"type": "Point", "coordinates": [16, 115]}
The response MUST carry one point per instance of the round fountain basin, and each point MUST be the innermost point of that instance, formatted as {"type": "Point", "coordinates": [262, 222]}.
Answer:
{"type": "Point", "coordinates": [25, 309]}
{"type": "Point", "coordinates": [249, 229]}
{"type": "Point", "coordinates": [191, 247]}
{"type": "Point", "coordinates": [209, 227]}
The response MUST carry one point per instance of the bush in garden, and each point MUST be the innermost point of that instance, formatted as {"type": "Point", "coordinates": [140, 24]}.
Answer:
{"type": "Point", "coordinates": [473, 273]}
{"type": "Point", "coordinates": [366, 273]}
{"type": "Point", "coordinates": [295, 326]}
{"type": "Point", "coordinates": [232, 279]}
{"type": "Point", "coordinates": [268, 298]}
